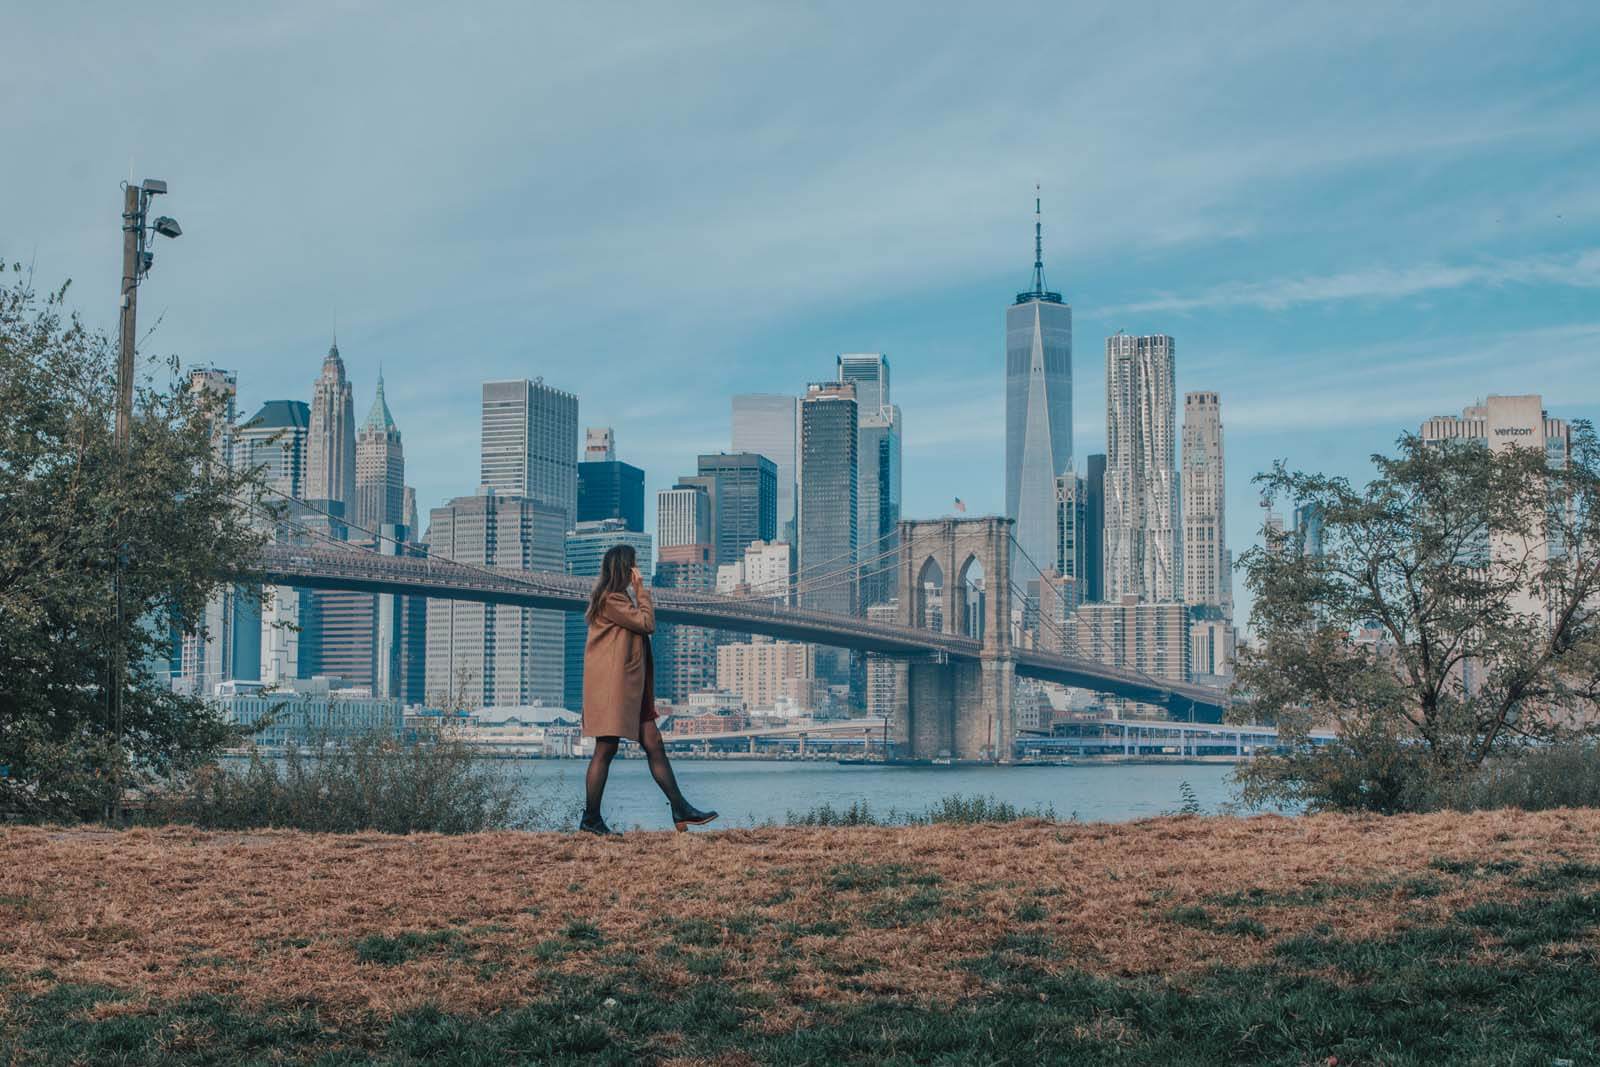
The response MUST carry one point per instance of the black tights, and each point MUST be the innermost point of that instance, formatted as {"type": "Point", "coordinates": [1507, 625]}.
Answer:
{"type": "Point", "coordinates": [605, 750]}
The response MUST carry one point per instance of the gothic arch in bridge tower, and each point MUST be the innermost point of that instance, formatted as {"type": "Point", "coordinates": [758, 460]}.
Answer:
{"type": "Point", "coordinates": [969, 593]}
{"type": "Point", "coordinates": [928, 594]}
{"type": "Point", "coordinates": [960, 707]}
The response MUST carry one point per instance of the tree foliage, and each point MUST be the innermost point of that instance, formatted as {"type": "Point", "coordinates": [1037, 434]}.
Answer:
{"type": "Point", "coordinates": [71, 502]}
{"type": "Point", "coordinates": [1450, 616]}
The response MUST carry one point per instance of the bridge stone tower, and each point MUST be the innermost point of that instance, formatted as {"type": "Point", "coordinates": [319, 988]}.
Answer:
{"type": "Point", "coordinates": [955, 576]}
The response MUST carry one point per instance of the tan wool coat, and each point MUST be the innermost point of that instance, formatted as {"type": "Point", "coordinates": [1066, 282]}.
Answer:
{"type": "Point", "coordinates": [618, 674]}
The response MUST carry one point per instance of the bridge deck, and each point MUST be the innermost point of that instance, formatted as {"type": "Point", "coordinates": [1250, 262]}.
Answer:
{"type": "Point", "coordinates": [315, 568]}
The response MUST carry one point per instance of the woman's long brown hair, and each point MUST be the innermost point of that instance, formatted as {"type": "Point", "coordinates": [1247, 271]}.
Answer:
{"type": "Point", "coordinates": [616, 574]}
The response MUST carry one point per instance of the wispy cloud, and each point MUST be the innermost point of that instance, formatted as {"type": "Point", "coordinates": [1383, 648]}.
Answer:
{"type": "Point", "coordinates": [1580, 271]}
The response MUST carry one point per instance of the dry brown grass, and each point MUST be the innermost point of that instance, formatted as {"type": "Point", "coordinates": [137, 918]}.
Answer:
{"type": "Point", "coordinates": [276, 917]}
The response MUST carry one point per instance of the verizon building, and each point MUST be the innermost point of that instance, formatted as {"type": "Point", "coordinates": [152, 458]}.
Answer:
{"type": "Point", "coordinates": [1504, 422]}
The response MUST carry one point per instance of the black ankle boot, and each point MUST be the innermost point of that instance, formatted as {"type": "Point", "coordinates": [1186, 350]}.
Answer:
{"type": "Point", "coordinates": [594, 824]}
{"type": "Point", "coordinates": [685, 815]}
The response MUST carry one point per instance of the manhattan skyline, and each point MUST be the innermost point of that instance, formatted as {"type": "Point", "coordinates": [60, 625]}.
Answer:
{"type": "Point", "coordinates": [1352, 245]}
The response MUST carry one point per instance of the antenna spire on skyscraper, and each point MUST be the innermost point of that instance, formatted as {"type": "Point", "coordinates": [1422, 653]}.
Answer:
{"type": "Point", "coordinates": [1038, 292]}
{"type": "Point", "coordinates": [1038, 245]}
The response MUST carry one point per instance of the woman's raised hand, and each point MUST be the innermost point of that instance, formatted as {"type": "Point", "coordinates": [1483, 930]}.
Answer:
{"type": "Point", "coordinates": [636, 578]}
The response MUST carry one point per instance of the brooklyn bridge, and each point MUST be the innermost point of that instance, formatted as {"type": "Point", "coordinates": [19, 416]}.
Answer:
{"type": "Point", "coordinates": [954, 691]}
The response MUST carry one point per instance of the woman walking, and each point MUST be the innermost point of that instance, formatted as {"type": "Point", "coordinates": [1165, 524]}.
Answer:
{"type": "Point", "coordinates": [619, 688]}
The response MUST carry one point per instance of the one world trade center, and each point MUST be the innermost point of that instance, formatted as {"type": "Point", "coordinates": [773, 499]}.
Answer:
{"type": "Point", "coordinates": [1038, 412]}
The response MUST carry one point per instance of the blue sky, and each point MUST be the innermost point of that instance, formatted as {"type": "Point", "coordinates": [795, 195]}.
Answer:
{"type": "Point", "coordinates": [1349, 216]}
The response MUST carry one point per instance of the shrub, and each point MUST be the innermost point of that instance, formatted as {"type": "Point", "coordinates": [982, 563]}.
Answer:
{"type": "Point", "coordinates": [1559, 776]}
{"type": "Point", "coordinates": [434, 785]}
{"type": "Point", "coordinates": [954, 808]}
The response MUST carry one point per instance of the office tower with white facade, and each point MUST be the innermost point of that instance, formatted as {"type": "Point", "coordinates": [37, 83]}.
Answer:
{"type": "Point", "coordinates": [530, 443]}
{"type": "Point", "coordinates": [683, 516]}
{"type": "Point", "coordinates": [587, 545]}
{"type": "Point", "coordinates": [768, 424]}
{"type": "Point", "coordinates": [331, 437]}
{"type": "Point", "coordinates": [764, 572]}
{"type": "Point", "coordinates": [762, 672]}
{"type": "Point", "coordinates": [1207, 565]}
{"type": "Point", "coordinates": [599, 444]}
{"type": "Point", "coordinates": [1502, 423]}
{"type": "Point", "coordinates": [743, 490]}
{"type": "Point", "coordinates": [1152, 639]}
{"type": "Point", "coordinates": [869, 373]}
{"type": "Point", "coordinates": [878, 477]}
{"type": "Point", "coordinates": [1142, 557]}
{"type": "Point", "coordinates": [883, 685]}
{"type": "Point", "coordinates": [207, 654]}
{"type": "Point", "coordinates": [380, 469]}
{"type": "Point", "coordinates": [686, 656]}
{"type": "Point", "coordinates": [481, 655]}
{"type": "Point", "coordinates": [1038, 409]}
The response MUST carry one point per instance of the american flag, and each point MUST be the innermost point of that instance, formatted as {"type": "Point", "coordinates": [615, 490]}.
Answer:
{"type": "Point", "coordinates": [960, 506]}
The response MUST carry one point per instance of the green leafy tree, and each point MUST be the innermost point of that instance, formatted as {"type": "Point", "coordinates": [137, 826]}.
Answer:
{"type": "Point", "coordinates": [1449, 618]}
{"type": "Point", "coordinates": [70, 503]}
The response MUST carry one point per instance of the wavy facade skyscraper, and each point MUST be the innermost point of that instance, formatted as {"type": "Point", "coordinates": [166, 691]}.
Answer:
{"type": "Point", "coordinates": [1038, 408]}
{"type": "Point", "coordinates": [1141, 484]}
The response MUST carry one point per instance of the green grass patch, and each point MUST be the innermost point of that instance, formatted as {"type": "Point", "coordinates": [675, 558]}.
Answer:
{"type": "Point", "coordinates": [1561, 876]}
{"type": "Point", "coordinates": [1472, 869]}
{"type": "Point", "coordinates": [1030, 911]}
{"type": "Point", "coordinates": [702, 933]}
{"type": "Point", "coordinates": [870, 877]}
{"type": "Point", "coordinates": [390, 951]}
{"type": "Point", "coordinates": [1191, 915]}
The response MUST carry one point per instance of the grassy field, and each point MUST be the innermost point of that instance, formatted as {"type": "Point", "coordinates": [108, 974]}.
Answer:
{"type": "Point", "coordinates": [1329, 940]}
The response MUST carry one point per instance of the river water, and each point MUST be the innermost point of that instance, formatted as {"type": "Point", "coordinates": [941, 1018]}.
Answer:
{"type": "Point", "coordinates": [747, 792]}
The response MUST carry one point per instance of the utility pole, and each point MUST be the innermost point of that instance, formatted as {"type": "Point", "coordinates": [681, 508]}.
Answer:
{"type": "Point", "coordinates": [132, 238]}
{"type": "Point", "coordinates": [127, 324]}
{"type": "Point", "coordinates": [135, 262]}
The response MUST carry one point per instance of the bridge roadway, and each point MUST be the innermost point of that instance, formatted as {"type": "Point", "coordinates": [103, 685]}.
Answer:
{"type": "Point", "coordinates": [318, 568]}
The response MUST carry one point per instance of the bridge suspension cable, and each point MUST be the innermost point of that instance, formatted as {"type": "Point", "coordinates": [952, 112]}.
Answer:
{"type": "Point", "coordinates": [1060, 634]}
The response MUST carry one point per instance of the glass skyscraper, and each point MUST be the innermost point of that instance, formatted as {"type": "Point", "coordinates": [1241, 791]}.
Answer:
{"type": "Point", "coordinates": [828, 488]}
{"type": "Point", "coordinates": [768, 424]}
{"type": "Point", "coordinates": [878, 472]}
{"type": "Point", "coordinates": [611, 489]}
{"type": "Point", "coordinates": [743, 487]}
{"type": "Point", "coordinates": [1038, 410]}
{"type": "Point", "coordinates": [274, 442]}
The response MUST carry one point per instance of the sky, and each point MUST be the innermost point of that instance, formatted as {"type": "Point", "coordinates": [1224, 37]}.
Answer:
{"type": "Point", "coordinates": [1350, 217]}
